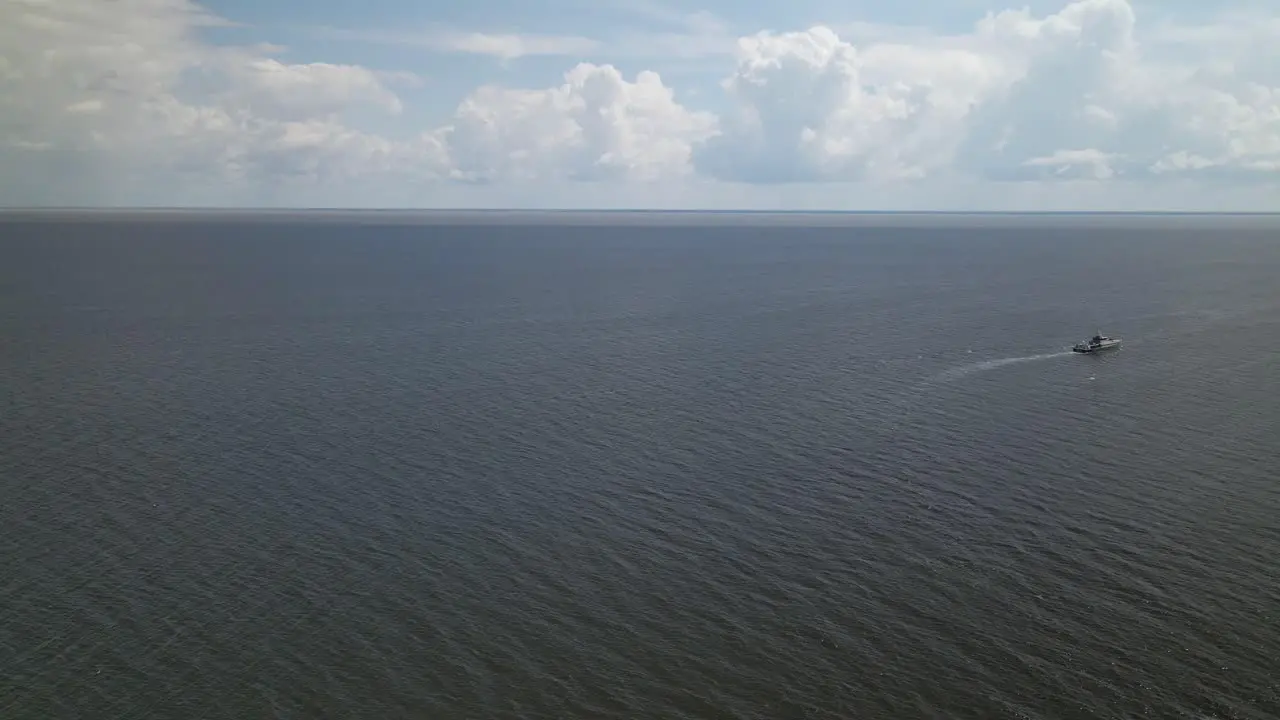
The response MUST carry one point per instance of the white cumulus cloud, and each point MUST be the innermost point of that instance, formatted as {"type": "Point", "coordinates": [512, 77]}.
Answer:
{"type": "Point", "coordinates": [810, 106]}
{"type": "Point", "coordinates": [100, 99]}
{"type": "Point", "coordinates": [595, 125]}
{"type": "Point", "coordinates": [1071, 94]}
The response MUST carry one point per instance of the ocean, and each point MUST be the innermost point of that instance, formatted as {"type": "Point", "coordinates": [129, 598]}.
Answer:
{"type": "Point", "coordinates": [434, 465]}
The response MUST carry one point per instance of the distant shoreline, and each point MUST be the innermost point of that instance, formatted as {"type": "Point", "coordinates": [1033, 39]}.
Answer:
{"type": "Point", "coordinates": [651, 218]}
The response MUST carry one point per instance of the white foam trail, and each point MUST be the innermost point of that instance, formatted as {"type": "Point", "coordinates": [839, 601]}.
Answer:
{"type": "Point", "coordinates": [963, 370]}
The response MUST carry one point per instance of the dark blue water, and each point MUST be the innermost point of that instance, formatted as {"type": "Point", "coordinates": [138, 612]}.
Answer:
{"type": "Point", "coordinates": [297, 469]}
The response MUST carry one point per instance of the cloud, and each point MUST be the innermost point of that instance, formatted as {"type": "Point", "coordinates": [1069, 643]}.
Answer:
{"type": "Point", "coordinates": [809, 106]}
{"type": "Point", "coordinates": [274, 89]}
{"type": "Point", "coordinates": [510, 46]}
{"type": "Point", "coordinates": [102, 99]}
{"type": "Point", "coordinates": [660, 14]}
{"type": "Point", "coordinates": [647, 30]}
{"type": "Point", "coordinates": [127, 89]}
{"type": "Point", "coordinates": [698, 38]}
{"type": "Point", "coordinates": [1088, 164]}
{"type": "Point", "coordinates": [594, 126]}
{"type": "Point", "coordinates": [503, 46]}
{"type": "Point", "coordinates": [1091, 81]}
{"type": "Point", "coordinates": [658, 32]}
{"type": "Point", "coordinates": [1070, 72]}
{"type": "Point", "coordinates": [1066, 95]}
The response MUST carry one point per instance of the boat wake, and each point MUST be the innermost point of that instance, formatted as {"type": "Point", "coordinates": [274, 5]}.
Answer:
{"type": "Point", "coordinates": [963, 370]}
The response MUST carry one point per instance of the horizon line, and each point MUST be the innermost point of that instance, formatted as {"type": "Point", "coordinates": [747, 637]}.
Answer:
{"type": "Point", "coordinates": [667, 211]}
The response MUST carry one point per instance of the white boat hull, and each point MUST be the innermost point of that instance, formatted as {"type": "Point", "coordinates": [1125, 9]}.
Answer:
{"type": "Point", "coordinates": [1096, 348]}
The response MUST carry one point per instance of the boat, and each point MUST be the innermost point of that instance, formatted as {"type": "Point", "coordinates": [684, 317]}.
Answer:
{"type": "Point", "coordinates": [1096, 343]}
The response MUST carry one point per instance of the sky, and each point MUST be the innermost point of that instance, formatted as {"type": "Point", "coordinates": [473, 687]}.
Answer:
{"type": "Point", "coordinates": [974, 105]}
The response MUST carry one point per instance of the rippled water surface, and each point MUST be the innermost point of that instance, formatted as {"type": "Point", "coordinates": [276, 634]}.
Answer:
{"type": "Point", "coordinates": [288, 469]}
